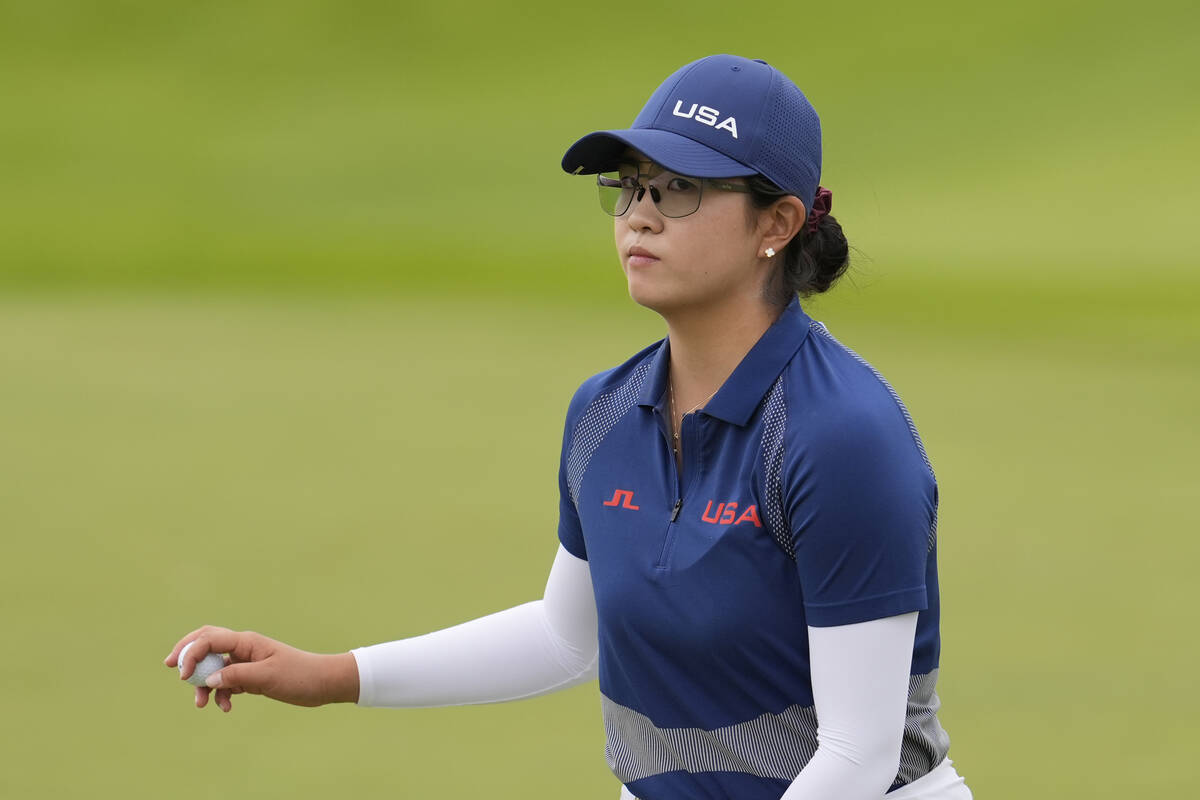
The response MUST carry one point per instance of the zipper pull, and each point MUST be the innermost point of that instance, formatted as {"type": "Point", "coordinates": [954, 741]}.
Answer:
{"type": "Point", "coordinates": [675, 510]}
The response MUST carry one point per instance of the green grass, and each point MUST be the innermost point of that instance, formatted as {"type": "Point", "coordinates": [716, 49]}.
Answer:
{"type": "Point", "coordinates": [411, 146]}
{"type": "Point", "coordinates": [346, 471]}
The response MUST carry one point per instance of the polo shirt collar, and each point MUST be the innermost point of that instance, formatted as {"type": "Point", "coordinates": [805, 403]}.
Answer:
{"type": "Point", "coordinates": [742, 392]}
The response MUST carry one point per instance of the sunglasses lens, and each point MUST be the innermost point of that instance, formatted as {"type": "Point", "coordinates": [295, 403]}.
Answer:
{"type": "Point", "coordinates": [616, 191]}
{"type": "Point", "coordinates": [674, 195]}
{"type": "Point", "coordinates": [677, 196]}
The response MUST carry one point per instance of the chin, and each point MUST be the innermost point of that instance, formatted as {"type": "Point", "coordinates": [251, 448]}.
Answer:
{"type": "Point", "coordinates": [655, 292]}
{"type": "Point", "coordinates": [649, 293]}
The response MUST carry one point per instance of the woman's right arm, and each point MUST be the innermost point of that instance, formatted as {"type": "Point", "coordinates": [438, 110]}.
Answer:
{"type": "Point", "coordinates": [532, 649]}
{"type": "Point", "coordinates": [528, 650]}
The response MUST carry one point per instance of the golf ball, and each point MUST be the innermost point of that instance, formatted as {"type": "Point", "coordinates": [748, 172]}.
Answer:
{"type": "Point", "coordinates": [204, 667]}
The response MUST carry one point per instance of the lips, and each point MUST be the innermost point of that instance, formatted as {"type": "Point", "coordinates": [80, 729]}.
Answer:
{"type": "Point", "coordinates": [640, 256]}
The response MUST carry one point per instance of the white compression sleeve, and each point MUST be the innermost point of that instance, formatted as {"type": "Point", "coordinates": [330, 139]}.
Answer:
{"type": "Point", "coordinates": [531, 649]}
{"type": "Point", "coordinates": [860, 676]}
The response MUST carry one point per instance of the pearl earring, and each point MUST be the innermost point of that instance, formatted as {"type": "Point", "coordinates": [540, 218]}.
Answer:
{"type": "Point", "coordinates": [770, 251]}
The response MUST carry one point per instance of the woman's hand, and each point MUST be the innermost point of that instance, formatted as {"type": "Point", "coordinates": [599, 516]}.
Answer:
{"type": "Point", "coordinates": [259, 665]}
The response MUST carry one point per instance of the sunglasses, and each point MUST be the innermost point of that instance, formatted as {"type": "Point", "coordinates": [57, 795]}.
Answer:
{"type": "Point", "coordinates": [674, 195]}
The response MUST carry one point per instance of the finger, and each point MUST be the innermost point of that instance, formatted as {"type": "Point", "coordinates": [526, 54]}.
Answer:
{"type": "Point", "coordinates": [172, 658]}
{"type": "Point", "coordinates": [223, 700]}
{"type": "Point", "coordinates": [249, 676]}
{"type": "Point", "coordinates": [175, 657]}
{"type": "Point", "coordinates": [232, 689]}
{"type": "Point", "coordinates": [210, 639]}
{"type": "Point", "coordinates": [188, 659]}
{"type": "Point", "coordinates": [240, 645]}
{"type": "Point", "coordinates": [202, 693]}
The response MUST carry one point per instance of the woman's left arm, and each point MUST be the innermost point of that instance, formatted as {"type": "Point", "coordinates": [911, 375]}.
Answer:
{"type": "Point", "coordinates": [860, 677]}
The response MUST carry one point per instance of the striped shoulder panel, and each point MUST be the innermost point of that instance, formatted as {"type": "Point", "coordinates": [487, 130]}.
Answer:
{"type": "Point", "coordinates": [597, 421]}
{"type": "Point", "coordinates": [771, 453]}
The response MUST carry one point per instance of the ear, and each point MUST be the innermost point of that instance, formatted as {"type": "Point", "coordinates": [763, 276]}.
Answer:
{"type": "Point", "coordinates": [780, 222]}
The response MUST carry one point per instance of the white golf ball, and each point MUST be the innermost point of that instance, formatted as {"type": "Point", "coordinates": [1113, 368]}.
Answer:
{"type": "Point", "coordinates": [204, 667]}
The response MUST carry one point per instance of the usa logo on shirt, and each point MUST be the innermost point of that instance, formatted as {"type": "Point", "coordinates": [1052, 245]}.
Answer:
{"type": "Point", "coordinates": [727, 514]}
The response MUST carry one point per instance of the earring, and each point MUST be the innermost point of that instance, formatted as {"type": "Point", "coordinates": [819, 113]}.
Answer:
{"type": "Point", "coordinates": [770, 251]}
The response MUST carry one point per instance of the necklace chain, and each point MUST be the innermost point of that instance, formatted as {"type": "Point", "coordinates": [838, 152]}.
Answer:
{"type": "Point", "coordinates": [675, 426]}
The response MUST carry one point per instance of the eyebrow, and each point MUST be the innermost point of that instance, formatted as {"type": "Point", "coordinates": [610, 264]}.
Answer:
{"type": "Point", "coordinates": [631, 155]}
{"type": "Point", "coordinates": [654, 168]}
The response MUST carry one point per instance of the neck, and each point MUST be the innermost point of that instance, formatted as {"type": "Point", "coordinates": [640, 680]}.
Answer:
{"type": "Point", "coordinates": [708, 344]}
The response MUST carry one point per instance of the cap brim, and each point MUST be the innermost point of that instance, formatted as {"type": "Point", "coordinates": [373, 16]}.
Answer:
{"type": "Point", "coordinates": [599, 151]}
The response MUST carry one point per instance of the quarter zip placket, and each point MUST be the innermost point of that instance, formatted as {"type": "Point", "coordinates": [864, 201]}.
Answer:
{"type": "Point", "coordinates": [686, 441]}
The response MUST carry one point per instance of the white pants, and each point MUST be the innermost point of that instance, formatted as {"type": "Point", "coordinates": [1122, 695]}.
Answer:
{"type": "Point", "coordinates": [942, 783]}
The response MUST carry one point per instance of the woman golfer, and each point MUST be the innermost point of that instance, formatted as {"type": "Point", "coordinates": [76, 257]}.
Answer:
{"type": "Point", "coordinates": [748, 524]}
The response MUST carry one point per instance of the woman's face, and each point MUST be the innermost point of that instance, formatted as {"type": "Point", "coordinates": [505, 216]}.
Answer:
{"type": "Point", "coordinates": [705, 259]}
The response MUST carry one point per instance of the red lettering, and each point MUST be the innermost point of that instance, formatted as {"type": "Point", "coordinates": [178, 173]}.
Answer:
{"type": "Point", "coordinates": [715, 517]}
{"type": "Point", "coordinates": [730, 513]}
{"type": "Point", "coordinates": [750, 514]}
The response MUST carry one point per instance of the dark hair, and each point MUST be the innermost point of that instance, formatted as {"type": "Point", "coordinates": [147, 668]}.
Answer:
{"type": "Point", "coordinates": [812, 261]}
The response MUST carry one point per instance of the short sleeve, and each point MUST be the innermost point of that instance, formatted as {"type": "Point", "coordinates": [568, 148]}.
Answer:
{"type": "Point", "coordinates": [570, 531]}
{"type": "Point", "coordinates": [861, 502]}
{"type": "Point", "coordinates": [609, 394]}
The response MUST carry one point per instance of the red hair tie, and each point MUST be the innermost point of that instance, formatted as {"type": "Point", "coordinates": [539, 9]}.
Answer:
{"type": "Point", "coordinates": [822, 205]}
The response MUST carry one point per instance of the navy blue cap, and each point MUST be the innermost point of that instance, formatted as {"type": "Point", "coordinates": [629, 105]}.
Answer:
{"type": "Point", "coordinates": [719, 117]}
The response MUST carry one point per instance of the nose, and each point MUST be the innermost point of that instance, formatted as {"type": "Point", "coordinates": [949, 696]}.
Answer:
{"type": "Point", "coordinates": [642, 213]}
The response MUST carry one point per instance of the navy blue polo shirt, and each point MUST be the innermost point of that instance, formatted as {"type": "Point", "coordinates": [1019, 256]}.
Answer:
{"type": "Point", "coordinates": [805, 498]}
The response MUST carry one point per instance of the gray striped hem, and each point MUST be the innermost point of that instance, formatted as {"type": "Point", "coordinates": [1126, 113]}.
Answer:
{"type": "Point", "coordinates": [926, 743]}
{"type": "Point", "coordinates": [769, 746]}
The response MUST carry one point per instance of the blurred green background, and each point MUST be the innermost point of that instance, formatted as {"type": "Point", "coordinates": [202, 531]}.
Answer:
{"type": "Point", "coordinates": [293, 297]}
